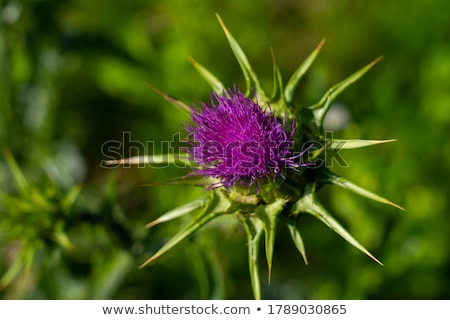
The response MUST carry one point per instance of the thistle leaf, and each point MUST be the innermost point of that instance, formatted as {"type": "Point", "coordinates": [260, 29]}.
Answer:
{"type": "Point", "coordinates": [23, 261]}
{"type": "Point", "coordinates": [70, 198]}
{"type": "Point", "coordinates": [297, 238]}
{"type": "Point", "coordinates": [217, 206]}
{"type": "Point", "coordinates": [254, 230]}
{"type": "Point", "coordinates": [111, 276]}
{"type": "Point", "coordinates": [341, 144]}
{"type": "Point", "coordinates": [355, 143]}
{"type": "Point", "coordinates": [12, 272]}
{"type": "Point", "coordinates": [300, 72]}
{"type": "Point", "coordinates": [277, 92]}
{"type": "Point", "coordinates": [321, 108]}
{"type": "Point", "coordinates": [18, 176]}
{"type": "Point", "coordinates": [212, 80]}
{"type": "Point", "coordinates": [268, 215]}
{"type": "Point", "coordinates": [185, 180]}
{"type": "Point", "coordinates": [277, 100]}
{"type": "Point", "coordinates": [344, 183]}
{"type": "Point", "coordinates": [62, 239]}
{"type": "Point", "coordinates": [251, 79]}
{"type": "Point", "coordinates": [178, 212]}
{"type": "Point", "coordinates": [181, 159]}
{"type": "Point", "coordinates": [175, 102]}
{"type": "Point", "coordinates": [308, 203]}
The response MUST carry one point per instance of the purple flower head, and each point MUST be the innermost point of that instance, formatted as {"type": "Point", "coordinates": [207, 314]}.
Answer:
{"type": "Point", "coordinates": [234, 140]}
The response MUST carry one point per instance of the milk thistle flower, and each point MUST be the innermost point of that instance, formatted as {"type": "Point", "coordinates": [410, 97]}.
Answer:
{"type": "Point", "coordinates": [236, 141]}
{"type": "Point", "coordinates": [253, 152]}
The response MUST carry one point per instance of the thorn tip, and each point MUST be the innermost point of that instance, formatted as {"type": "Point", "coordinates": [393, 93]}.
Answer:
{"type": "Point", "coordinates": [148, 261]}
{"type": "Point", "coordinates": [153, 223]}
{"type": "Point", "coordinates": [321, 44]}
{"type": "Point", "coordinates": [222, 24]}
{"type": "Point", "coordinates": [374, 62]}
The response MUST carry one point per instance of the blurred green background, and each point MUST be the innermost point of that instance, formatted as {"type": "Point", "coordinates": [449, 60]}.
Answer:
{"type": "Point", "coordinates": [72, 76]}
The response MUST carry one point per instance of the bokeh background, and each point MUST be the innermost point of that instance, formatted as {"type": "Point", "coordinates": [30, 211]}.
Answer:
{"type": "Point", "coordinates": [72, 77]}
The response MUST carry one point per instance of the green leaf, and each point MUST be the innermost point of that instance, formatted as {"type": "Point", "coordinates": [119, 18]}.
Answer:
{"type": "Point", "coordinates": [24, 261]}
{"type": "Point", "coordinates": [175, 102]}
{"type": "Point", "coordinates": [18, 176]}
{"type": "Point", "coordinates": [254, 230]}
{"type": "Point", "coordinates": [217, 206]}
{"type": "Point", "coordinates": [185, 180]}
{"type": "Point", "coordinates": [300, 72]}
{"type": "Point", "coordinates": [109, 275]}
{"type": "Point", "coordinates": [251, 79]}
{"type": "Point", "coordinates": [63, 240]}
{"type": "Point", "coordinates": [212, 80]}
{"type": "Point", "coordinates": [355, 143]}
{"type": "Point", "coordinates": [268, 215]}
{"type": "Point", "coordinates": [277, 100]}
{"type": "Point", "coordinates": [70, 198]}
{"type": "Point", "coordinates": [180, 159]}
{"type": "Point", "coordinates": [297, 237]}
{"type": "Point", "coordinates": [12, 272]}
{"type": "Point", "coordinates": [344, 183]}
{"type": "Point", "coordinates": [308, 203]}
{"type": "Point", "coordinates": [321, 108]}
{"type": "Point", "coordinates": [180, 211]}
{"type": "Point", "coordinates": [197, 266]}
{"type": "Point", "coordinates": [344, 144]}
{"type": "Point", "coordinates": [60, 236]}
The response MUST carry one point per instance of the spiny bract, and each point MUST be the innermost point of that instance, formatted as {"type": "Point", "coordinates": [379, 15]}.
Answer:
{"type": "Point", "coordinates": [250, 150]}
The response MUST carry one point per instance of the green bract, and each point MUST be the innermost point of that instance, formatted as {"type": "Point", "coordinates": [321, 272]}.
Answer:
{"type": "Point", "coordinates": [283, 200]}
